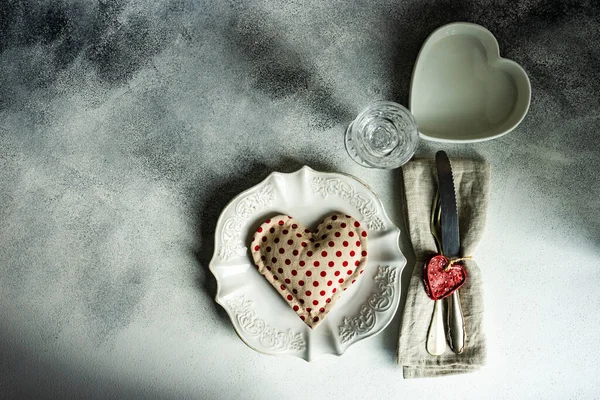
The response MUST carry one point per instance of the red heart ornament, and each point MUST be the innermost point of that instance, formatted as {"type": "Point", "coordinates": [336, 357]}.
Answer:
{"type": "Point", "coordinates": [442, 278]}
{"type": "Point", "coordinates": [310, 270]}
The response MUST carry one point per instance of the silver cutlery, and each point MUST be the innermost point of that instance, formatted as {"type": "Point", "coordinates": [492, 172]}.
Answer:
{"type": "Point", "coordinates": [448, 222]}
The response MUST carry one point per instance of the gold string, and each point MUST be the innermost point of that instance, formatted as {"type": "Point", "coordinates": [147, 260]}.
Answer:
{"type": "Point", "coordinates": [455, 260]}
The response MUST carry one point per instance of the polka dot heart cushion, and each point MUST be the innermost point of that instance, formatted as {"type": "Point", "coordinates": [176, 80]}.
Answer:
{"type": "Point", "coordinates": [310, 270]}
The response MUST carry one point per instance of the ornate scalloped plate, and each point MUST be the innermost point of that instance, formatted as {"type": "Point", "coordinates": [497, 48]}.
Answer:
{"type": "Point", "coordinates": [261, 318]}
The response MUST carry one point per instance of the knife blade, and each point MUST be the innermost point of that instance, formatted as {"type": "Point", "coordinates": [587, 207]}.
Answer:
{"type": "Point", "coordinates": [450, 246]}
{"type": "Point", "coordinates": [449, 217]}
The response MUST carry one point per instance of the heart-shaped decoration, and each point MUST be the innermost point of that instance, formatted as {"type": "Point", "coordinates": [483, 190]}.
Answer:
{"type": "Point", "coordinates": [310, 270]}
{"type": "Point", "coordinates": [462, 90]}
{"type": "Point", "coordinates": [442, 278]}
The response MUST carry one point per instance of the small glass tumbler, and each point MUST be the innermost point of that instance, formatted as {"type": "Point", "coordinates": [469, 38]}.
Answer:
{"type": "Point", "coordinates": [384, 135]}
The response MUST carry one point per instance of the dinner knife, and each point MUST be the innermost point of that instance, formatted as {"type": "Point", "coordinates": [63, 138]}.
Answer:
{"type": "Point", "coordinates": [450, 247]}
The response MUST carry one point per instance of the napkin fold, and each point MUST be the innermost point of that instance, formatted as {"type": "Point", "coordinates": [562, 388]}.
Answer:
{"type": "Point", "coordinates": [471, 181]}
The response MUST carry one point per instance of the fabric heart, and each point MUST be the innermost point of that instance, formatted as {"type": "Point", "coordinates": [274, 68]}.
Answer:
{"type": "Point", "coordinates": [310, 270]}
{"type": "Point", "coordinates": [442, 278]}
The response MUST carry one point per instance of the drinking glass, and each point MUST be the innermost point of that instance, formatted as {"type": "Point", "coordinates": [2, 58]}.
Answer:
{"type": "Point", "coordinates": [384, 135]}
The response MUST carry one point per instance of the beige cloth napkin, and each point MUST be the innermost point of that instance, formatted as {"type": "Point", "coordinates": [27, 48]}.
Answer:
{"type": "Point", "coordinates": [471, 180]}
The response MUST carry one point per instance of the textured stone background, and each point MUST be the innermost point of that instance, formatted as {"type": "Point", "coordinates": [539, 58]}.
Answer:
{"type": "Point", "coordinates": [126, 126]}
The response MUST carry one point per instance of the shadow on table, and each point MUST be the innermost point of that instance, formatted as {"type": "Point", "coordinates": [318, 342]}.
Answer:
{"type": "Point", "coordinates": [391, 334]}
{"type": "Point", "coordinates": [35, 368]}
{"type": "Point", "coordinates": [406, 31]}
{"type": "Point", "coordinates": [216, 199]}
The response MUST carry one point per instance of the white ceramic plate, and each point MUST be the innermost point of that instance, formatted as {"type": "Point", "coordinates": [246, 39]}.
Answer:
{"type": "Point", "coordinates": [462, 90]}
{"type": "Point", "coordinates": [261, 318]}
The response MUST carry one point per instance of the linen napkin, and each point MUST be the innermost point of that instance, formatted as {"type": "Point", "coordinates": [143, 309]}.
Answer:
{"type": "Point", "coordinates": [471, 181]}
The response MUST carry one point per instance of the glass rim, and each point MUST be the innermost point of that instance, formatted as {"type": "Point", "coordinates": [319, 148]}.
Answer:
{"type": "Point", "coordinates": [398, 106]}
{"type": "Point", "coordinates": [364, 159]}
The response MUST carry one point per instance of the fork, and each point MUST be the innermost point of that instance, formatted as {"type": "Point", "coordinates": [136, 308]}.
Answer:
{"type": "Point", "coordinates": [436, 337]}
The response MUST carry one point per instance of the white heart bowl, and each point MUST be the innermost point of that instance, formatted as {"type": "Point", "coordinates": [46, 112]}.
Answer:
{"type": "Point", "coordinates": [462, 90]}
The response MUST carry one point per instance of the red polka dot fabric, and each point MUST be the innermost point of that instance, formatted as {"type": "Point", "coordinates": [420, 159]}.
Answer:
{"type": "Point", "coordinates": [310, 270]}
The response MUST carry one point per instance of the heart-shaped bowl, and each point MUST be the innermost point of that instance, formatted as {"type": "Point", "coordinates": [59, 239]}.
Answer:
{"type": "Point", "coordinates": [462, 90]}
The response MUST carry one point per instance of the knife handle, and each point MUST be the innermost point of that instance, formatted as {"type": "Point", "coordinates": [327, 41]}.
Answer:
{"type": "Point", "coordinates": [456, 324]}
{"type": "Point", "coordinates": [436, 342]}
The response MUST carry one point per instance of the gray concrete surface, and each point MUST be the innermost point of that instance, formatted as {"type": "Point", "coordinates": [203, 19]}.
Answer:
{"type": "Point", "coordinates": [126, 126]}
